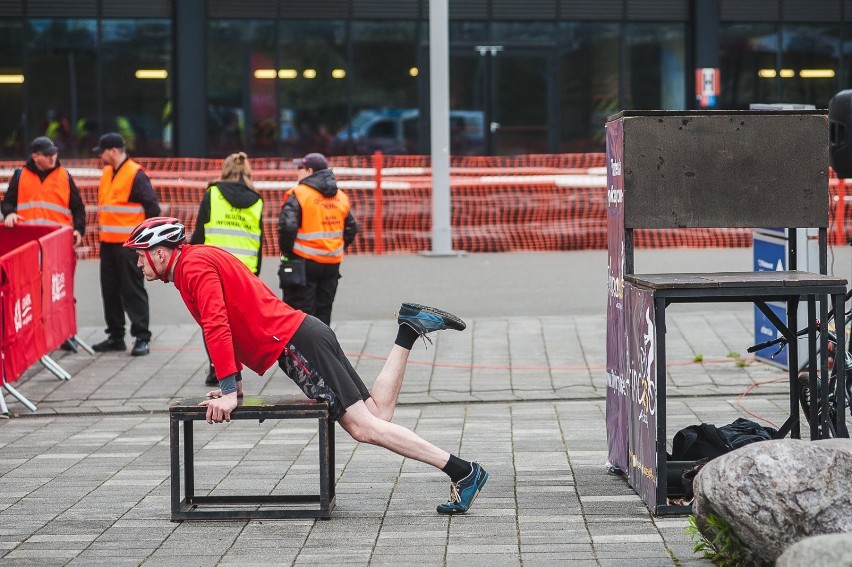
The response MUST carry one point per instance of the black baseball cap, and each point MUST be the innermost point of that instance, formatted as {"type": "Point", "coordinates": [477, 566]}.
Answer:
{"type": "Point", "coordinates": [108, 141]}
{"type": "Point", "coordinates": [43, 145]}
{"type": "Point", "coordinates": [314, 161]}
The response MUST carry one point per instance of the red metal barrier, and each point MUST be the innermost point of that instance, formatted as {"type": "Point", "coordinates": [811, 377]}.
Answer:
{"type": "Point", "coordinates": [36, 294]}
{"type": "Point", "coordinates": [57, 271]}
{"type": "Point", "coordinates": [22, 341]}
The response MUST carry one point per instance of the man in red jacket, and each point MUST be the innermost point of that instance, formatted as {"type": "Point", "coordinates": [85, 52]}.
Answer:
{"type": "Point", "coordinates": [244, 323]}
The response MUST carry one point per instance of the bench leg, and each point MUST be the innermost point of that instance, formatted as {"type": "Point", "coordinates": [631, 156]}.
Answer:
{"type": "Point", "coordinates": [174, 456]}
{"type": "Point", "coordinates": [331, 463]}
{"type": "Point", "coordinates": [324, 461]}
{"type": "Point", "coordinates": [188, 464]}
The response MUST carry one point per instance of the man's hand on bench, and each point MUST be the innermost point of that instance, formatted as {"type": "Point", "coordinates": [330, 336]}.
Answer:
{"type": "Point", "coordinates": [219, 409]}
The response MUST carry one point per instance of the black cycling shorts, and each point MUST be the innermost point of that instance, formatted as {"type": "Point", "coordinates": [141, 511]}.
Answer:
{"type": "Point", "coordinates": [314, 360]}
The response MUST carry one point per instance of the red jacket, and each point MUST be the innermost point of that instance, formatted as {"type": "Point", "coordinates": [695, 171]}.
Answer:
{"type": "Point", "coordinates": [243, 321]}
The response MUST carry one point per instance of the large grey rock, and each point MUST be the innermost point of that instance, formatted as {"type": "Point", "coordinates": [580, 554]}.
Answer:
{"type": "Point", "coordinates": [832, 549]}
{"type": "Point", "coordinates": [774, 493]}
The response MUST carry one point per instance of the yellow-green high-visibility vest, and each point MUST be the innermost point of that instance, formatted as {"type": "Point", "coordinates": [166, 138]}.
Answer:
{"type": "Point", "coordinates": [235, 230]}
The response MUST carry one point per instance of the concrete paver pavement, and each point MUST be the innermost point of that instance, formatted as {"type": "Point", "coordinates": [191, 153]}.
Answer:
{"type": "Point", "coordinates": [85, 480]}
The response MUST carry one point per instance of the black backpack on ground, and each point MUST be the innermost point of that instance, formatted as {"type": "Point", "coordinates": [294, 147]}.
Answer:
{"type": "Point", "coordinates": [706, 441]}
{"type": "Point", "coordinates": [702, 443]}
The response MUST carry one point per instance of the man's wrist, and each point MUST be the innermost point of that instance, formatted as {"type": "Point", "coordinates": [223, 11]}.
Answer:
{"type": "Point", "coordinates": [228, 385]}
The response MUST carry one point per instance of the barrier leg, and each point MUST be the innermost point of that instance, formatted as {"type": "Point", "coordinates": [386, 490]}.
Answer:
{"type": "Point", "coordinates": [54, 368]}
{"type": "Point", "coordinates": [3, 409]}
{"type": "Point", "coordinates": [30, 406]}
{"type": "Point", "coordinates": [82, 344]}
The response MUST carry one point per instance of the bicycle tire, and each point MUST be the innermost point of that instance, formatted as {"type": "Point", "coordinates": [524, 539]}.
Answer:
{"type": "Point", "coordinates": [804, 388]}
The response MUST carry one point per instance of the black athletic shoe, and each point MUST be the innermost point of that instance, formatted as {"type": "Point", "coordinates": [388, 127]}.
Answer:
{"type": "Point", "coordinates": [425, 319]}
{"type": "Point", "coordinates": [211, 379]}
{"type": "Point", "coordinates": [140, 348]}
{"type": "Point", "coordinates": [110, 344]}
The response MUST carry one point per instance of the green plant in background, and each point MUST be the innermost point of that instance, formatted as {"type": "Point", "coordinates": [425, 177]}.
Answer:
{"type": "Point", "coordinates": [718, 542]}
{"type": "Point", "coordinates": [698, 358]}
{"type": "Point", "coordinates": [740, 361]}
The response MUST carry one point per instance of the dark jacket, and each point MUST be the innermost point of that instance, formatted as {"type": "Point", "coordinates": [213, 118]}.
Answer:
{"type": "Point", "coordinates": [290, 217]}
{"type": "Point", "coordinates": [75, 201]}
{"type": "Point", "coordinates": [237, 194]}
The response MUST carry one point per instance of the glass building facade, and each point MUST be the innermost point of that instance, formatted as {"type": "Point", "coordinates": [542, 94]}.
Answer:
{"type": "Point", "coordinates": [275, 77]}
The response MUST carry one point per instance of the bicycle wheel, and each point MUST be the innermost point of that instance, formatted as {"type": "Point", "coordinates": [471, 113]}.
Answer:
{"type": "Point", "coordinates": [805, 398]}
{"type": "Point", "coordinates": [805, 403]}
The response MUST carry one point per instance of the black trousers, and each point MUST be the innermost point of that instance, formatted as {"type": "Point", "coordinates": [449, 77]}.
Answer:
{"type": "Point", "coordinates": [317, 295]}
{"type": "Point", "coordinates": [123, 291]}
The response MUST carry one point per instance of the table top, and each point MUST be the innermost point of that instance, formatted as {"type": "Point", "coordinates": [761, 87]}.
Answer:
{"type": "Point", "coordinates": [784, 280]}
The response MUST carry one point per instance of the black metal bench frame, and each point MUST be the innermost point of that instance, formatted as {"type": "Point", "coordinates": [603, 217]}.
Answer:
{"type": "Point", "coordinates": [267, 506]}
{"type": "Point", "coordinates": [757, 288]}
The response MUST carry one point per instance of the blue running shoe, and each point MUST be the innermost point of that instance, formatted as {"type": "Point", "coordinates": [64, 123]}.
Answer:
{"type": "Point", "coordinates": [425, 319]}
{"type": "Point", "coordinates": [463, 492]}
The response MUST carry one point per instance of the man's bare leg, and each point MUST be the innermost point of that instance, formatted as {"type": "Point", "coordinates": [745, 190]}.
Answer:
{"type": "Point", "coordinates": [388, 384]}
{"type": "Point", "coordinates": [369, 421]}
{"type": "Point", "coordinates": [365, 427]}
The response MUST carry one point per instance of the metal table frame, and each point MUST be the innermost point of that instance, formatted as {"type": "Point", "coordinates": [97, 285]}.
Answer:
{"type": "Point", "coordinates": [757, 288]}
{"type": "Point", "coordinates": [192, 507]}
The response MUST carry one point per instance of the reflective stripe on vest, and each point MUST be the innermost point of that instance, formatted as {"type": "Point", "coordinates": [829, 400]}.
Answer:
{"type": "Point", "coordinates": [45, 202]}
{"type": "Point", "coordinates": [320, 238]}
{"type": "Point", "coordinates": [233, 229]}
{"type": "Point", "coordinates": [116, 216]}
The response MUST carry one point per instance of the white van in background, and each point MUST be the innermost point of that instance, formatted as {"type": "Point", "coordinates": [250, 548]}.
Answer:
{"type": "Point", "coordinates": [395, 131]}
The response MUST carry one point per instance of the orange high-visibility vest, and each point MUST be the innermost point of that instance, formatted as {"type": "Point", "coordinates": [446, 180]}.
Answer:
{"type": "Point", "coordinates": [320, 238]}
{"type": "Point", "coordinates": [117, 217]}
{"type": "Point", "coordinates": [44, 202]}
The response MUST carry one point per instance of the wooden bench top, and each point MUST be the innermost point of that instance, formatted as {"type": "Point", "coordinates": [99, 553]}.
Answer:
{"type": "Point", "coordinates": [252, 404]}
{"type": "Point", "coordinates": [791, 279]}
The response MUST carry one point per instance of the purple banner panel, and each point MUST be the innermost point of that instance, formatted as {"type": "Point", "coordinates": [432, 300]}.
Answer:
{"type": "Point", "coordinates": [617, 388]}
{"type": "Point", "coordinates": [641, 367]}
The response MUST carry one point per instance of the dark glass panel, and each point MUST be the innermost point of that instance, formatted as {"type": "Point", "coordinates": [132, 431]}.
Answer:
{"type": "Point", "coordinates": [136, 83]}
{"type": "Point", "coordinates": [241, 82]}
{"type": "Point", "coordinates": [62, 83]}
{"type": "Point", "coordinates": [589, 92]}
{"type": "Point", "coordinates": [384, 87]}
{"type": "Point", "coordinates": [811, 52]}
{"type": "Point", "coordinates": [525, 33]}
{"type": "Point", "coordinates": [748, 59]}
{"type": "Point", "coordinates": [654, 72]}
{"type": "Point", "coordinates": [313, 85]}
{"type": "Point", "coordinates": [12, 131]}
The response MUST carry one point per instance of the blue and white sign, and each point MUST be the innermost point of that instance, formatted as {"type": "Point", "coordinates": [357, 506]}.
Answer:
{"type": "Point", "coordinates": [764, 331]}
{"type": "Point", "coordinates": [770, 254]}
{"type": "Point", "coordinates": [779, 232]}
{"type": "Point", "coordinates": [771, 248]}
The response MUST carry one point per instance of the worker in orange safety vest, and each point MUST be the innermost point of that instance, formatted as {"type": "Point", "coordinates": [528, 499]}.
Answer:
{"type": "Point", "coordinates": [125, 199]}
{"type": "Point", "coordinates": [315, 226]}
{"type": "Point", "coordinates": [43, 192]}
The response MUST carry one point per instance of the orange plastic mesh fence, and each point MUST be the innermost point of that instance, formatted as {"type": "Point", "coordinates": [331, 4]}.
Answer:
{"type": "Point", "coordinates": [517, 203]}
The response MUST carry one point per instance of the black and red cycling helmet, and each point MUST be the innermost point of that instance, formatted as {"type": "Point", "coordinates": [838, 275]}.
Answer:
{"type": "Point", "coordinates": [157, 231]}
